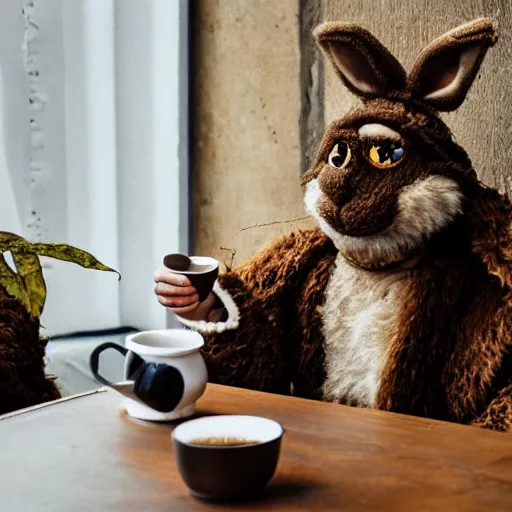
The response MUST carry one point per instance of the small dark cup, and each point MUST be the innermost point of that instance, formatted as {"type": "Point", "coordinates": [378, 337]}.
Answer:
{"type": "Point", "coordinates": [203, 272]}
{"type": "Point", "coordinates": [223, 472]}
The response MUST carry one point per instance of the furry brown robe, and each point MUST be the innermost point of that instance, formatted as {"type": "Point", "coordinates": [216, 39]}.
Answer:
{"type": "Point", "coordinates": [402, 300]}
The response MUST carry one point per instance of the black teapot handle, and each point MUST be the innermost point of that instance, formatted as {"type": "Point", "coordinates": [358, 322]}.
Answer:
{"type": "Point", "coordinates": [157, 385]}
{"type": "Point", "coordinates": [94, 360]}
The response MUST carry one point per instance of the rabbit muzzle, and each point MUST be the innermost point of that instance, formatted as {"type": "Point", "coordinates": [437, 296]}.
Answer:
{"type": "Point", "coordinates": [421, 210]}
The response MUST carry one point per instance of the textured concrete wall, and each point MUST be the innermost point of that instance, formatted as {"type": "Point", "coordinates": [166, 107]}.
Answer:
{"type": "Point", "coordinates": [246, 144]}
{"type": "Point", "coordinates": [482, 124]}
{"type": "Point", "coordinates": [262, 97]}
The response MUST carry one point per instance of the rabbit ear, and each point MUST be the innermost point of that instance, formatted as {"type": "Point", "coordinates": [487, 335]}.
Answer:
{"type": "Point", "coordinates": [365, 66]}
{"type": "Point", "coordinates": [446, 68]}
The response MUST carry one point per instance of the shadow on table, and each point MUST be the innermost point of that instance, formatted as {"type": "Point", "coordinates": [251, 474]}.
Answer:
{"type": "Point", "coordinates": [279, 491]}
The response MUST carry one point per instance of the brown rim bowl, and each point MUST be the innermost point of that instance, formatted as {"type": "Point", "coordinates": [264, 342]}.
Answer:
{"type": "Point", "coordinates": [227, 472]}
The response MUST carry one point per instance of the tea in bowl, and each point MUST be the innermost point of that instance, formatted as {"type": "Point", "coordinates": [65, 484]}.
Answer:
{"type": "Point", "coordinates": [227, 457]}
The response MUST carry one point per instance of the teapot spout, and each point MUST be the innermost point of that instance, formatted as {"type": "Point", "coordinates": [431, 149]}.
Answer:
{"type": "Point", "coordinates": [125, 388]}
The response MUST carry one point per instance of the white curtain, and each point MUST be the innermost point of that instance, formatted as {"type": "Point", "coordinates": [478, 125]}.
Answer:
{"type": "Point", "coordinates": [106, 112]}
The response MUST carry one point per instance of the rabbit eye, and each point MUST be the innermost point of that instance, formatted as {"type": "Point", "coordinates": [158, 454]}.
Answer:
{"type": "Point", "coordinates": [340, 155]}
{"type": "Point", "coordinates": [386, 153]}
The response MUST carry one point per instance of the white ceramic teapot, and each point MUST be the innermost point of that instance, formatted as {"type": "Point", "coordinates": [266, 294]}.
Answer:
{"type": "Point", "coordinates": [164, 373]}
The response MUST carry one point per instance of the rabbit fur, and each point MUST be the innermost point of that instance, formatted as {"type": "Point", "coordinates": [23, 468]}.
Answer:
{"type": "Point", "coordinates": [401, 300]}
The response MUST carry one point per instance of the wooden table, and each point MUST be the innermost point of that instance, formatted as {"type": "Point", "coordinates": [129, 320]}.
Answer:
{"type": "Point", "coordinates": [86, 454]}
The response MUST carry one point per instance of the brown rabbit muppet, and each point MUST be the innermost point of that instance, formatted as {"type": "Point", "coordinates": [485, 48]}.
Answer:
{"type": "Point", "coordinates": [402, 300]}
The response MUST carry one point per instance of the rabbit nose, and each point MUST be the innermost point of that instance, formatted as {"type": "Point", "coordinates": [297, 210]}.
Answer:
{"type": "Point", "coordinates": [336, 186]}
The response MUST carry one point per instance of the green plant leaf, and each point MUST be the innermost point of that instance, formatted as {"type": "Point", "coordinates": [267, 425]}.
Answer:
{"type": "Point", "coordinates": [12, 283]}
{"type": "Point", "coordinates": [31, 274]}
{"type": "Point", "coordinates": [66, 252]}
{"type": "Point", "coordinates": [17, 244]}
{"type": "Point", "coordinates": [27, 284]}
{"type": "Point", "coordinates": [5, 236]}
{"type": "Point", "coordinates": [12, 242]}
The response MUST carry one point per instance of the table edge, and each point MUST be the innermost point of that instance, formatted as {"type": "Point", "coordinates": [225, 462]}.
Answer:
{"type": "Point", "coordinates": [26, 410]}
